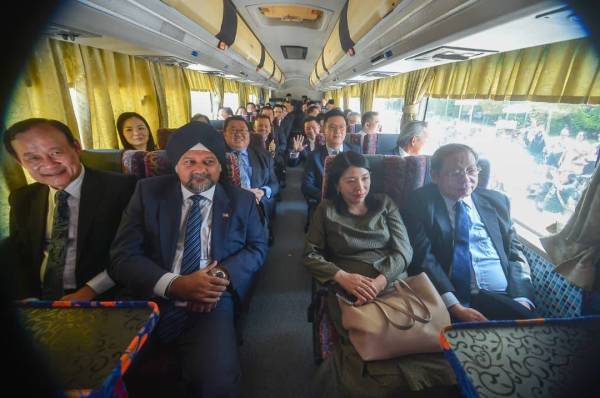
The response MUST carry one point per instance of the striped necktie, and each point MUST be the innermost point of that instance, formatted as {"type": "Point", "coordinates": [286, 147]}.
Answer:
{"type": "Point", "coordinates": [243, 163]}
{"type": "Point", "coordinates": [173, 321]}
{"type": "Point", "coordinates": [461, 258]}
{"type": "Point", "coordinates": [192, 248]}
{"type": "Point", "coordinates": [52, 288]}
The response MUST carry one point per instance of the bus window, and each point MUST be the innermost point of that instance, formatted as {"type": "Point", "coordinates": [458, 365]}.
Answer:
{"type": "Point", "coordinates": [231, 100]}
{"type": "Point", "coordinates": [390, 113]}
{"type": "Point", "coordinates": [202, 103]}
{"type": "Point", "coordinates": [354, 104]}
{"type": "Point", "coordinates": [542, 154]}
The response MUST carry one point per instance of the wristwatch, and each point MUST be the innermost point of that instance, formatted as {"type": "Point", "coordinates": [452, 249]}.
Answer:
{"type": "Point", "coordinates": [219, 272]}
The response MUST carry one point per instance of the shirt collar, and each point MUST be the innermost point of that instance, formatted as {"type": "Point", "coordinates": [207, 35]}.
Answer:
{"type": "Point", "coordinates": [208, 194]}
{"type": "Point", "coordinates": [74, 187]}
{"type": "Point", "coordinates": [339, 150]}
{"type": "Point", "coordinates": [451, 202]}
{"type": "Point", "coordinates": [402, 152]}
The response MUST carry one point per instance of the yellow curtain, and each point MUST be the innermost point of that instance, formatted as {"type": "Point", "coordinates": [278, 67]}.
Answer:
{"type": "Point", "coordinates": [367, 91]}
{"type": "Point", "coordinates": [177, 95]}
{"type": "Point", "coordinates": [254, 90]}
{"type": "Point", "coordinates": [242, 95]}
{"type": "Point", "coordinates": [219, 87]}
{"type": "Point", "coordinates": [417, 84]}
{"type": "Point", "coordinates": [199, 81]}
{"type": "Point", "coordinates": [391, 87]}
{"type": "Point", "coordinates": [42, 90]}
{"type": "Point", "coordinates": [266, 92]}
{"type": "Point", "coordinates": [566, 72]}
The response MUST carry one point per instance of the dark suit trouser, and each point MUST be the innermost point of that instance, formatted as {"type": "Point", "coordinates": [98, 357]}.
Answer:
{"type": "Point", "coordinates": [209, 353]}
{"type": "Point", "coordinates": [500, 306]}
{"type": "Point", "coordinates": [206, 353]}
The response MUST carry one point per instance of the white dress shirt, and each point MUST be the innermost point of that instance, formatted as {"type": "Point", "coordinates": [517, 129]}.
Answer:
{"type": "Point", "coordinates": [205, 236]}
{"type": "Point", "coordinates": [101, 282]}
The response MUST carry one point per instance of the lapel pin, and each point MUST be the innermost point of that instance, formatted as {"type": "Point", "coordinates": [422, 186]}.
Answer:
{"type": "Point", "coordinates": [225, 215]}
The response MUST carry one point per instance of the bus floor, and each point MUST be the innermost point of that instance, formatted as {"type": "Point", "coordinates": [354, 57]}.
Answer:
{"type": "Point", "coordinates": [276, 354]}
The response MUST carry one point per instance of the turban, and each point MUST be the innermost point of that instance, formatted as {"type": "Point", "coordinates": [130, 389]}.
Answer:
{"type": "Point", "coordinates": [190, 135]}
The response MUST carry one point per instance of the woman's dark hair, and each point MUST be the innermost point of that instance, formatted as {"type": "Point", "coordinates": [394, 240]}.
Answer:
{"type": "Point", "coordinates": [123, 117]}
{"type": "Point", "coordinates": [336, 169]}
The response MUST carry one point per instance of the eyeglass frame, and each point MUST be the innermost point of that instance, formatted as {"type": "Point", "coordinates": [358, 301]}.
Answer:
{"type": "Point", "coordinates": [463, 172]}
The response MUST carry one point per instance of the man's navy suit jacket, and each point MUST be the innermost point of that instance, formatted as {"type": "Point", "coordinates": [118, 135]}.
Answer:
{"type": "Point", "coordinates": [144, 248]}
{"type": "Point", "coordinates": [431, 236]}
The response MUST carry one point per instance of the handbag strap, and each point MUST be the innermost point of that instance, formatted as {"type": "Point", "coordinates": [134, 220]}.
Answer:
{"type": "Point", "coordinates": [423, 305]}
{"type": "Point", "coordinates": [380, 304]}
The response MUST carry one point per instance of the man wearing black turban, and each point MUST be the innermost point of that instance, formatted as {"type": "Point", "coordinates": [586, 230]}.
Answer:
{"type": "Point", "coordinates": [193, 245]}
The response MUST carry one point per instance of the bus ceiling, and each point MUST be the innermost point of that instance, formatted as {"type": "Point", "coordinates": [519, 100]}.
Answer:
{"type": "Point", "coordinates": [304, 45]}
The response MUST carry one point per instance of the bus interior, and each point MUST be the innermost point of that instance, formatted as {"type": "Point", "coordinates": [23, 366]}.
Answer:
{"type": "Point", "coordinates": [517, 80]}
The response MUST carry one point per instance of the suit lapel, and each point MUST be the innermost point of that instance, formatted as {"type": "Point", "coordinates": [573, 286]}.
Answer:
{"type": "Point", "coordinates": [92, 193]}
{"type": "Point", "coordinates": [169, 213]}
{"type": "Point", "coordinates": [256, 180]}
{"type": "Point", "coordinates": [441, 217]}
{"type": "Point", "coordinates": [321, 159]}
{"type": "Point", "coordinates": [37, 222]}
{"type": "Point", "coordinates": [490, 221]}
{"type": "Point", "coordinates": [221, 215]}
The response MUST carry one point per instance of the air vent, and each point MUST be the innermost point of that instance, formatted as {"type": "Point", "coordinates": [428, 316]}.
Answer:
{"type": "Point", "coordinates": [294, 52]}
{"type": "Point", "coordinates": [167, 60]}
{"type": "Point", "coordinates": [67, 33]}
{"type": "Point", "coordinates": [446, 53]}
{"type": "Point", "coordinates": [375, 74]}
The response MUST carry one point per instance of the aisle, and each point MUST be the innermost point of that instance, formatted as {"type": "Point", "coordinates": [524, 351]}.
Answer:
{"type": "Point", "coordinates": [276, 355]}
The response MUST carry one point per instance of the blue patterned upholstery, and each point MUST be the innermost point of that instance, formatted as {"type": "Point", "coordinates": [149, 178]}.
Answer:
{"type": "Point", "coordinates": [554, 295]}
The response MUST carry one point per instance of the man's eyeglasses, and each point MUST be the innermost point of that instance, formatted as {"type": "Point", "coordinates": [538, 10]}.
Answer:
{"type": "Point", "coordinates": [237, 131]}
{"type": "Point", "coordinates": [334, 127]}
{"type": "Point", "coordinates": [468, 172]}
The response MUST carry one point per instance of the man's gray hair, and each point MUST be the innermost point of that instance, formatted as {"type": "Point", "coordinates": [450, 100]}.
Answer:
{"type": "Point", "coordinates": [411, 129]}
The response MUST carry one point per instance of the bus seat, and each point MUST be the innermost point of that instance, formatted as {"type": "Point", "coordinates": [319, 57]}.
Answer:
{"type": "Point", "coordinates": [566, 348]}
{"type": "Point", "coordinates": [369, 144]}
{"type": "Point", "coordinates": [156, 163]}
{"type": "Point", "coordinates": [393, 175]}
{"type": "Point", "coordinates": [217, 124]}
{"type": "Point", "coordinates": [163, 135]}
{"type": "Point", "coordinates": [133, 163]}
{"type": "Point", "coordinates": [103, 159]}
{"type": "Point", "coordinates": [354, 140]}
{"type": "Point", "coordinates": [256, 141]}
{"type": "Point", "coordinates": [484, 174]}
{"type": "Point", "coordinates": [386, 143]}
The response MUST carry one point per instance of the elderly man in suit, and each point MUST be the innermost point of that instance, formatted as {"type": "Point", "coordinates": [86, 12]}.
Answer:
{"type": "Point", "coordinates": [194, 245]}
{"type": "Point", "coordinates": [61, 227]}
{"type": "Point", "coordinates": [463, 238]}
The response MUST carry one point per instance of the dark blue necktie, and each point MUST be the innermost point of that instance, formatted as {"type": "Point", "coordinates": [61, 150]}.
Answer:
{"type": "Point", "coordinates": [173, 321]}
{"type": "Point", "coordinates": [461, 259]}
{"type": "Point", "coordinates": [52, 288]}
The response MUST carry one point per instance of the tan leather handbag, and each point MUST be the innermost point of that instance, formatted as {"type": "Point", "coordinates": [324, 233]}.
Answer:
{"type": "Point", "coordinates": [406, 320]}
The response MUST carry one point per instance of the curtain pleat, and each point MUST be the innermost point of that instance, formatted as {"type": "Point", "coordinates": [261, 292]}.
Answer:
{"type": "Point", "coordinates": [417, 84]}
